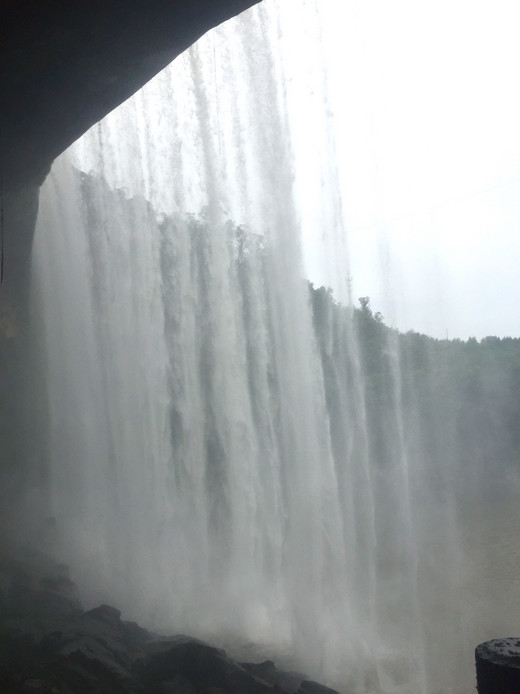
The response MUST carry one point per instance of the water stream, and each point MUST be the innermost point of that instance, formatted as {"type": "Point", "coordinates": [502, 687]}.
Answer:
{"type": "Point", "coordinates": [212, 469]}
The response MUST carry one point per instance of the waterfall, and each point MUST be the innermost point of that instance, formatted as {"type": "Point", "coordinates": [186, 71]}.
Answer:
{"type": "Point", "coordinates": [190, 461]}
{"type": "Point", "coordinates": [220, 459]}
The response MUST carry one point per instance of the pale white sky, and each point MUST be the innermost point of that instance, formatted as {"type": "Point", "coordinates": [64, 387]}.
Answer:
{"type": "Point", "coordinates": [405, 118]}
{"type": "Point", "coordinates": [422, 100]}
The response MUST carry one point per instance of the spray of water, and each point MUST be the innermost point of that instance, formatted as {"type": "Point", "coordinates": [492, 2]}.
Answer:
{"type": "Point", "coordinates": [219, 460]}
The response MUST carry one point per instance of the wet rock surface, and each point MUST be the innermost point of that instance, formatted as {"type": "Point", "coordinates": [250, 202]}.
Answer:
{"type": "Point", "coordinates": [498, 666]}
{"type": "Point", "coordinates": [63, 66]}
{"type": "Point", "coordinates": [50, 645]}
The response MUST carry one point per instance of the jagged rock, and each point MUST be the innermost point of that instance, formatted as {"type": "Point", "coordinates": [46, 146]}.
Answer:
{"type": "Point", "coordinates": [107, 614]}
{"type": "Point", "coordinates": [97, 652]}
{"type": "Point", "coordinates": [202, 666]}
{"type": "Point", "coordinates": [49, 645]}
{"type": "Point", "coordinates": [35, 590]}
{"type": "Point", "coordinates": [288, 681]}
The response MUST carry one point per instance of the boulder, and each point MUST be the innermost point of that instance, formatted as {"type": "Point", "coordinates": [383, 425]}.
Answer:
{"type": "Point", "coordinates": [498, 666]}
{"type": "Point", "coordinates": [49, 645]}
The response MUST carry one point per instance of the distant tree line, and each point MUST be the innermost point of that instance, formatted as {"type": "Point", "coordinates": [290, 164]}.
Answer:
{"type": "Point", "coordinates": [451, 406]}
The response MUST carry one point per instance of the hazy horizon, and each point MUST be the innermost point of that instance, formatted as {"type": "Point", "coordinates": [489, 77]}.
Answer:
{"type": "Point", "coordinates": [420, 109]}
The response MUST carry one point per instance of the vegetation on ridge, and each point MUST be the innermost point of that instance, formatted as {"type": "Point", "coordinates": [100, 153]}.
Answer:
{"type": "Point", "coordinates": [457, 403]}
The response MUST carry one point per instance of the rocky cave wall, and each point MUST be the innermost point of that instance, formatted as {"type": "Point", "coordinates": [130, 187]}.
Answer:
{"type": "Point", "coordinates": [65, 65]}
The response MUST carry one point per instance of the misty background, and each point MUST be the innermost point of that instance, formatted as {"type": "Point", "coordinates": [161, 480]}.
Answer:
{"type": "Point", "coordinates": [240, 455]}
{"type": "Point", "coordinates": [422, 109]}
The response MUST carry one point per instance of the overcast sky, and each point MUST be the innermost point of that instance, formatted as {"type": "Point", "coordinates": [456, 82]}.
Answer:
{"type": "Point", "coordinates": [405, 118]}
{"type": "Point", "coordinates": [422, 105]}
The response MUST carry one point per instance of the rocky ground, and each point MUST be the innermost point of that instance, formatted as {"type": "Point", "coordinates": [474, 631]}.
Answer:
{"type": "Point", "coordinates": [50, 645]}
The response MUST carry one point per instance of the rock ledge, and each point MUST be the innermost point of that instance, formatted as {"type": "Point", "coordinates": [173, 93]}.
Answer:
{"type": "Point", "coordinates": [49, 645]}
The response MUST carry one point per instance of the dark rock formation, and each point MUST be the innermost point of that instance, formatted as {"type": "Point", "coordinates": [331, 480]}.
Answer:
{"type": "Point", "coordinates": [49, 645]}
{"type": "Point", "coordinates": [287, 681]}
{"type": "Point", "coordinates": [65, 65]}
{"type": "Point", "coordinates": [498, 666]}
